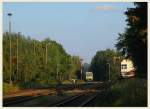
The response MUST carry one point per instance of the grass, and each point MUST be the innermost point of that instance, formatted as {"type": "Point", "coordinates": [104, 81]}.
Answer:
{"type": "Point", "coordinates": [66, 82]}
{"type": "Point", "coordinates": [131, 92]}
{"type": "Point", "coordinates": [9, 88]}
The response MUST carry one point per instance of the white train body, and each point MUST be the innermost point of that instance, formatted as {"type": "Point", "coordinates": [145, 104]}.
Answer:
{"type": "Point", "coordinates": [127, 68]}
{"type": "Point", "coordinates": [89, 76]}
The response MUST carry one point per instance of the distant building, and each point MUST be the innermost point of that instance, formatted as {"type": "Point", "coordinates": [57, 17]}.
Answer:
{"type": "Point", "coordinates": [127, 68]}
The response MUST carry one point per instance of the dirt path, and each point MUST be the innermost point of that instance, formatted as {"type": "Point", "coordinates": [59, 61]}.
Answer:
{"type": "Point", "coordinates": [30, 92]}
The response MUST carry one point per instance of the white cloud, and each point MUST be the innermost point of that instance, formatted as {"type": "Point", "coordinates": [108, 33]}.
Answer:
{"type": "Point", "coordinates": [105, 8]}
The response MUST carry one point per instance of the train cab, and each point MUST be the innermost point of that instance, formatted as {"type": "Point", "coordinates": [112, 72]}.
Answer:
{"type": "Point", "coordinates": [89, 76]}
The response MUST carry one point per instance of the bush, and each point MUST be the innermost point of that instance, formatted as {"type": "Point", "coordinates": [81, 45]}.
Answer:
{"type": "Point", "coordinates": [127, 92]}
{"type": "Point", "coordinates": [40, 84]}
{"type": "Point", "coordinates": [9, 88]}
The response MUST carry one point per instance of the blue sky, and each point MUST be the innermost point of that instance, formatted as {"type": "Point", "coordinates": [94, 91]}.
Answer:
{"type": "Point", "coordinates": [82, 28]}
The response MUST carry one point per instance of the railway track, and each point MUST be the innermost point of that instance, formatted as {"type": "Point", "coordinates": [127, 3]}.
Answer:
{"type": "Point", "coordinates": [82, 99]}
{"type": "Point", "coordinates": [19, 99]}
{"type": "Point", "coordinates": [79, 100]}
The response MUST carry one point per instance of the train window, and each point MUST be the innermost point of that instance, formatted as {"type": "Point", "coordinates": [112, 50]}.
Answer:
{"type": "Point", "coordinates": [124, 66]}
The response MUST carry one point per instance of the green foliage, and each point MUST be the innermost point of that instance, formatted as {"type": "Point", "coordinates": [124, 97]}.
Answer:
{"type": "Point", "coordinates": [100, 65]}
{"type": "Point", "coordinates": [39, 62]}
{"type": "Point", "coordinates": [9, 88]}
{"type": "Point", "coordinates": [133, 42]}
{"type": "Point", "coordinates": [75, 66]}
{"type": "Point", "coordinates": [128, 92]}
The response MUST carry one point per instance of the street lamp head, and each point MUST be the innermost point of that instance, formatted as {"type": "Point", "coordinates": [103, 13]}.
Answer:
{"type": "Point", "coordinates": [9, 14]}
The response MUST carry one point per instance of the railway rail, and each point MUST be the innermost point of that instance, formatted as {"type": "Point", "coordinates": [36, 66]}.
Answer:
{"type": "Point", "coordinates": [82, 99]}
{"type": "Point", "coordinates": [79, 100]}
{"type": "Point", "coordinates": [19, 99]}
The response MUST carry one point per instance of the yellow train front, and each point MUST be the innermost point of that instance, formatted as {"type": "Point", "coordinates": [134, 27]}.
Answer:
{"type": "Point", "coordinates": [89, 76]}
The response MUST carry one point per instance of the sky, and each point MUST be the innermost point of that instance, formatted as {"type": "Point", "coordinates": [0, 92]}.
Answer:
{"type": "Point", "coordinates": [81, 28]}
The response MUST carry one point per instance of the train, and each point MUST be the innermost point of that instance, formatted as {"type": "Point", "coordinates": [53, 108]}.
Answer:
{"type": "Point", "coordinates": [127, 68]}
{"type": "Point", "coordinates": [89, 76]}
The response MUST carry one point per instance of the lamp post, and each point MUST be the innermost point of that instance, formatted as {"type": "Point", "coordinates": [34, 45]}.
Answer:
{"type": "Point", "coordinates": [81, 62]}
{"type": "Point", "coordinates": [109, 70]}
{"type": "Point", "coordinates": [9, 15]}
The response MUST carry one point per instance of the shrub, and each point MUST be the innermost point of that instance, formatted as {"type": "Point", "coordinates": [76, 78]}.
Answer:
{"type": "Point", "coordinates": [9, 88]}
{"type": "Point", "coordinates": [127, 92]}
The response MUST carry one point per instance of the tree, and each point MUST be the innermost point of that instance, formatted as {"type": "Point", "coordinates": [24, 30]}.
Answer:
{"type": "Point", "coordinates": [133, 42]}
{"type": "Point", "coordinates": [100, 65]}
{"type": "Point", "coordinates": [75, 67]}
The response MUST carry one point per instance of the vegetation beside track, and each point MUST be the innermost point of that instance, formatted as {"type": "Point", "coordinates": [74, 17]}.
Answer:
{"type": "Point", "coordinates": [44, 63]}
{"type": "Point", "coordinates": [126, 93]}
{"type": "Point", "coordinates": [10, 88]}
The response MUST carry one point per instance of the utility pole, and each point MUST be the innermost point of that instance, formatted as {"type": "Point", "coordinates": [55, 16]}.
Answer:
{"type": "Point", "coordinates": [46, 55]}
{"type": "Point", "coordinates": [57, 70]}
{"type": "Point", "coordinates": [10, 14]}
{"type": "Point", "coordinates": [34, 47]}
{"type": "Point", "coordinates": [17, 50]}
{"type": "Point", "coordinates": [57, 63]}
{"type": "Point", "coordinates": [34, 59]}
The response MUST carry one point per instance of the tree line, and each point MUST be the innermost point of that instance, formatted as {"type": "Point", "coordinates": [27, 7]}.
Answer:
{"type": "Point", "coordinates": [32, 62]}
